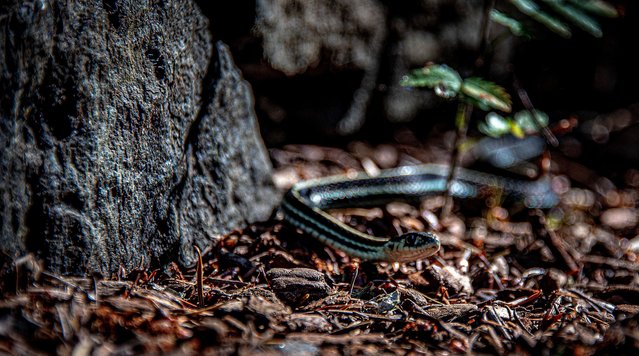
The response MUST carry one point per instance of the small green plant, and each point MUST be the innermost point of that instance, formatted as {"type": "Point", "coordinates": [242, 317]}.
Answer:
{"type": "Point", "coordinates": [549, 13]}
{"type": "Point", "coordinates": [472, 93]}
{"type": "Point", "coordinates": [475, 92]}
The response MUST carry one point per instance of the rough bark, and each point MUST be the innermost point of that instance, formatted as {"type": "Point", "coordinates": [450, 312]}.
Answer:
{"type": "Point", "coordinates": [125, 137]}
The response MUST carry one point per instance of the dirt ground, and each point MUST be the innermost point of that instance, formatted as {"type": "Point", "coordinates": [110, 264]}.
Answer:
{"type": "Point", "coordinates": [507, 279]}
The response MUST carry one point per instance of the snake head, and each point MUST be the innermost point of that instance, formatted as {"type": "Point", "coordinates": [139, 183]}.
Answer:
{"type": "Point", "coordinates": [412, 246]}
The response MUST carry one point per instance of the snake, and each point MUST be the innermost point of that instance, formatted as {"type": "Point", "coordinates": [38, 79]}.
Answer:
{"type": "Point", "coordinates": [305, 205]}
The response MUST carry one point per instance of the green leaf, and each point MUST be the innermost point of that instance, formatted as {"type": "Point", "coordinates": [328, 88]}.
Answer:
{"type": "Point", "coordinates": [523, 124]}
{"type": "Point", "coordinates": [576, 16]}
{"type": "Point", "coordinates": [444, 80]}
{"type": "Point", "coordinates": [487, 94]}
{"type": "Point", "coordinates": [531, 9]}
{"type": "Point", "coordinates": [494, 125]}
{"type": "Point", "coordinates": [529, 123]}
{"type": "Point", "coordinates": [515, 27]}
{"type": "Point", "coordinates": [516, 130]}
{"type": "Point", "coordinates": [597, 7]}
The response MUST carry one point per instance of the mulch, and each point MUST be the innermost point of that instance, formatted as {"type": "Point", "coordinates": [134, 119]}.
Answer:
{"type": "Point", "coordinates": [507, 279]}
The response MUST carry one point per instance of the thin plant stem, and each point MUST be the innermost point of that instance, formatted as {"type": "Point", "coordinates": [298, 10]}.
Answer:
{"type": "Point", "coordinates": [484, 34]}
{"type": "Point", "coordinates": [464, 110]}
{"type": "Point", "coordinates": [525, 100]}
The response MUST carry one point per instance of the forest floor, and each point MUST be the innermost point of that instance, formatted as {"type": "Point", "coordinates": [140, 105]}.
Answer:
{"type": "Point", "coordinates": [507, 279]}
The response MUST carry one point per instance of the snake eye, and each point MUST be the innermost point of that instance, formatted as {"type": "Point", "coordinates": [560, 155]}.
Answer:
{"type": "Point", "coordinates": [410, 239]}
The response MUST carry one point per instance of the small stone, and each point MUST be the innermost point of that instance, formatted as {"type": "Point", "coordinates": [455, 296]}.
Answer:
{"type": "Point", "coordinates": [275, 312]}
{"type": "Point", "coordinates": [553, 280]}
{"type": "Point", "coordinates": [387, 302]}
{"type": "Point", "coordinates": [447, 312]}
{"type": "Point", "coordinates": [579, 198]}
{"type": "Point", "coordinates": [500, 266]}
{"type": "Point", "coordinates": [500, 311]}
{"type": "Point", "coordinates": [232, 307]}
{"type": "Point", "coordinates": [413, 224]}
{"type": "Point", "coordinates": [415, 296]}
{"type": "Point", "coordinates": [620, 218]}
{"type": "Point", "coordinates": [398, 209]}
{"type": "Point", "coordinates": [309, 323]}
{"type": "Point", "coordinates": [305, 273]}
{"type": "Point", "coordinates": [581, 230]}
{"type": "Point", "coordinates": [450, 278]}
{"type": "Point", "coordinates": [285, 178]}
{"type": "Point", "coordinates": [633, 244]}
{"type": "Point", "coordinates": [386, 156]}
{"type": "Point", "coordinates": [298, 285]}
{"type": "Point", "coordinates": [431, 219]}
{"type": "Point", "coordinates": [627, 310]}
{"type": "Point", "coordinates": [370, 167]}
{"type": "Point", "coordinates": [455, 226]}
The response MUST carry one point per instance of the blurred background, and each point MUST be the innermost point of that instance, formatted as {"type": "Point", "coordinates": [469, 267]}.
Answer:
{"type": "Point", "coordinates": [328, 72]}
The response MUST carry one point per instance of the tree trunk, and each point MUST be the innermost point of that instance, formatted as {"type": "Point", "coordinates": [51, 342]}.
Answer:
{"type": "Point", "coordinates": [126, 136]}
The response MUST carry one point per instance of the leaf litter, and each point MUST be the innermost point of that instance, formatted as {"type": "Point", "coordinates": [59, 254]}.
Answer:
{"type": "Point", "coordinates": [504, 281]}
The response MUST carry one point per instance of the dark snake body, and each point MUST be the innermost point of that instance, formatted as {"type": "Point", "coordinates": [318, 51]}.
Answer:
{"type": "Point", "coordinates": [304, 205]}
